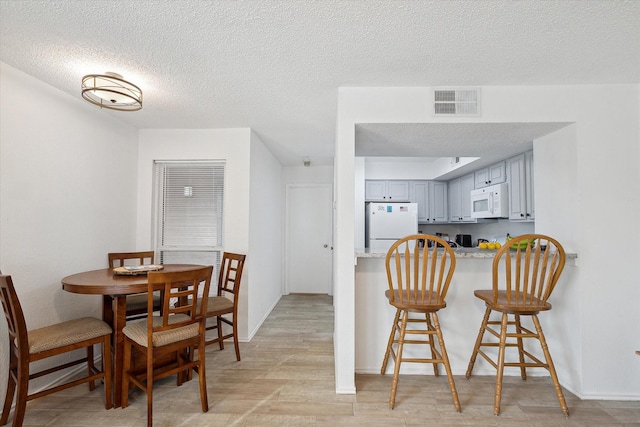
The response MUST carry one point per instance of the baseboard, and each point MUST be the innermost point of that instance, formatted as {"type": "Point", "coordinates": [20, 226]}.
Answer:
{"type": "Point", "coordinates": [255, 330]}
{"type": "Point", "coordinates": [346, 391]}
{"type": "Point", "coordinates": [626, 397]}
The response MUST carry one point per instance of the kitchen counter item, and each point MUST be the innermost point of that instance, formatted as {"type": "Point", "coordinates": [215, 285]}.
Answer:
{"type": "Point", "coordinates": [522, 244]}
{"type": "Point", "coordinates": [464, 240]}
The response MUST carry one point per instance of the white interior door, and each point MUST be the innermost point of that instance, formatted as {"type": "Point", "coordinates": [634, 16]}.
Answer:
{"type": "Point", "coordinates": [309, 239]}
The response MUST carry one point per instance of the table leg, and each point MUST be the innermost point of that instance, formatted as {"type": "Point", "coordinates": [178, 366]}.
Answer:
{"type": "Point", "coordinates": [107, 310]}
{"type": "Point", "coordinates": [119, 321]}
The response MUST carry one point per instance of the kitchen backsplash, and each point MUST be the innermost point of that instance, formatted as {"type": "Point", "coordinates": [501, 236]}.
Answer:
{"type": "Point", "coordinates": [490, 230]}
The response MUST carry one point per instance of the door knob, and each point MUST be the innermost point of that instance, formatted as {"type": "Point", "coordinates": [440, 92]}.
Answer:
{"type": "Point", "coordinates": [326, 245]}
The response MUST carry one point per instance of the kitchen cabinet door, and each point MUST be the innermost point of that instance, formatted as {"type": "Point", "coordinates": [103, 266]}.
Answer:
{"type": "Point", "coordinates": [455, 208]}
{"type": "Point", "coordinates": [398, 191]}
{"type": "Point", "coordinates": [432, 200]}
{"type": "Point", "coordinates": [494, 174]}
{"type": "Point", "coordinates": [467, 184]}
{"type": "Point", "coordinates": [375, 190]}
{"type": "Point", "coordinates": [438, 202]}
{"type": "Point", "coordinates": [386, 191]}
{"type": "Point", "coordinates": [528, 175]}
{"type": "Point", "coordinates": [520, 172]}
{"type": "Point", "coordinates": [460, 199]}
{"type": "Point", "coordinates": [419, 193]}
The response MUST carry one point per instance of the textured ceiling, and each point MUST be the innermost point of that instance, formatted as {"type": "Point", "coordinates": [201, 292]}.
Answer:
{"type": "Point", "coordinates": [275, 66]}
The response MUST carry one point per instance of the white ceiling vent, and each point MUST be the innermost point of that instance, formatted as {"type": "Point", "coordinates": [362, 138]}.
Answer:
{"type": "Point", "coordinates": [456, 102]}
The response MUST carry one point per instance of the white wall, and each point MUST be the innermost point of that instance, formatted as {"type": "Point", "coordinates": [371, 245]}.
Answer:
{"type": "Point", "coordinates": [66, 197]}
{"type": "Point", "coordinates": [306, 175]}
{"type": "Point", "coordinates": [232, 145]}
{"type": "Point", "coordinates": [266, 235]}
{"type": "Point", "coordinates": [250, 171]}
{"type": "Point", "coordinates": [597, 172]}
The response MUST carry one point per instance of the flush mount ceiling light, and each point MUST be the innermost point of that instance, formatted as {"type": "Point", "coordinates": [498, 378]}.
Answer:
{"type": "Point", "coordinates": [110, 90]}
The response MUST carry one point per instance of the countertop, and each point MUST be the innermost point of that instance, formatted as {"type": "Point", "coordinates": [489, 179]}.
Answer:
{"type": "Point", "coordinates": [460, 253]}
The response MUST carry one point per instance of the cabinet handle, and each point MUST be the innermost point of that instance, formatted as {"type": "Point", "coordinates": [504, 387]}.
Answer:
{"type": "Point", "coordinates": [521, 214]}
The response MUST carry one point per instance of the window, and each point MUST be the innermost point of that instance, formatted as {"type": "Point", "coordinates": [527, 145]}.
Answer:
{"type": "Point", "coordinates": [189, 211]}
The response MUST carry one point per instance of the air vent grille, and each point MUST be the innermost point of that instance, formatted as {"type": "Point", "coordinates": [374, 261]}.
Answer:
{"type": "Point", "coordinates": [457, 102]}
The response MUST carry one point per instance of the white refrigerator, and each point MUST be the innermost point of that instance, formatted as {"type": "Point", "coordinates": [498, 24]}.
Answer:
{"type": "Point", "coordinates": [387, 222]}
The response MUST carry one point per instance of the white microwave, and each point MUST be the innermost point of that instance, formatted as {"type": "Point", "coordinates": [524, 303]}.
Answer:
{"type": "Point", "coordinates": [490, 202]}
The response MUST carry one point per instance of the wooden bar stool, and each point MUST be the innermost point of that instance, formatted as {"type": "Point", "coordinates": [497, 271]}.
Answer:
{"type": "Point", "coordinates": [419, 271]}
{"type": "Point", "coordinates": [525, 272]}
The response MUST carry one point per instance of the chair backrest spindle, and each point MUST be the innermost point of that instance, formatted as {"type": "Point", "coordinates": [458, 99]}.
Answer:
{"type": "Point", "coordinates": [530, 266]}
{"type": "Point", "coordinates": [180, 292]}
{"type": "Point", "coordinates": [420, 274]}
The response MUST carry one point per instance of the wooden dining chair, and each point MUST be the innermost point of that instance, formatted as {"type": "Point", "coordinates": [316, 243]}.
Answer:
{"type": "Point", "coordinates": [225, 302]}
{"type": "Point", "coordinates": [178, 330]}
{"type": "Point", "coordinates": [136, 304]}
{"type": "Point", "coordinates": [525, 273]}
{"type": "Point", "coordinates": [419, 277]}
{"type": "Point", "coordinates": [29, 346]}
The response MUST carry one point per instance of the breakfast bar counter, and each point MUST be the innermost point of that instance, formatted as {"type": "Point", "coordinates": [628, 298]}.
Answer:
{"type": "Point", "coordinates": [460, 320]}
{"type": "Point", "coordinates": [460, 253]}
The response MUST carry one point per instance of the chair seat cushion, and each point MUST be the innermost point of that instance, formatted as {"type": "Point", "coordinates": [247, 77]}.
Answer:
{"type": "Point", "coordinates": [137, 331]}
{"type": "Point", "coordinates": [513, 305]}
{"type": "Point", "coordinates": [409, 301]}
{"type": "Point", "coordinates": [219, 305]}
{"type": "Point", "coordinates": [66, 333]}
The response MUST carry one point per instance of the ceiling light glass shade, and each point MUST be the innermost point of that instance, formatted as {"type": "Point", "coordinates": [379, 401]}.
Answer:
{"type": "Point", "coordinates": [111, 91]}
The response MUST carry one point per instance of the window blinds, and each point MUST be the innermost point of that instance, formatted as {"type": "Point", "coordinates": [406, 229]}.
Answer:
{"type": "Point", "coordinates": [189, 211]}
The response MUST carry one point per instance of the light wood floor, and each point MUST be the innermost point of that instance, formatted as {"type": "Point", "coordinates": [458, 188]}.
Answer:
{"type": "Point", "coordinates": [286, 378]}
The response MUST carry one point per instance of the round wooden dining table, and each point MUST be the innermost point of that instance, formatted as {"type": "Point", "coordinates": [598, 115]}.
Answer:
{"type": "Point", "coordinates": [114, 289]}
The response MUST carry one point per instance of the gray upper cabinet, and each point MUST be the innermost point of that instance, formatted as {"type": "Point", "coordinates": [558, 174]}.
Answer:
{"type": "Point", "coordinates": [460, 198]}
{"type": "Point", "coordinates": [432, 200]}
{"type": "Point", "coordinates": [386, 191]}
{"type": "Point", "coordinates": [494, 174]}
{"type": "Point", "coordinates": [439, 201]}
{"type": "Point", "coordinates": [419, 193]}
{"type": "Point", "coordinates": [521, 201]}
{"type": "Point", "coordinates": [450, 201]}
